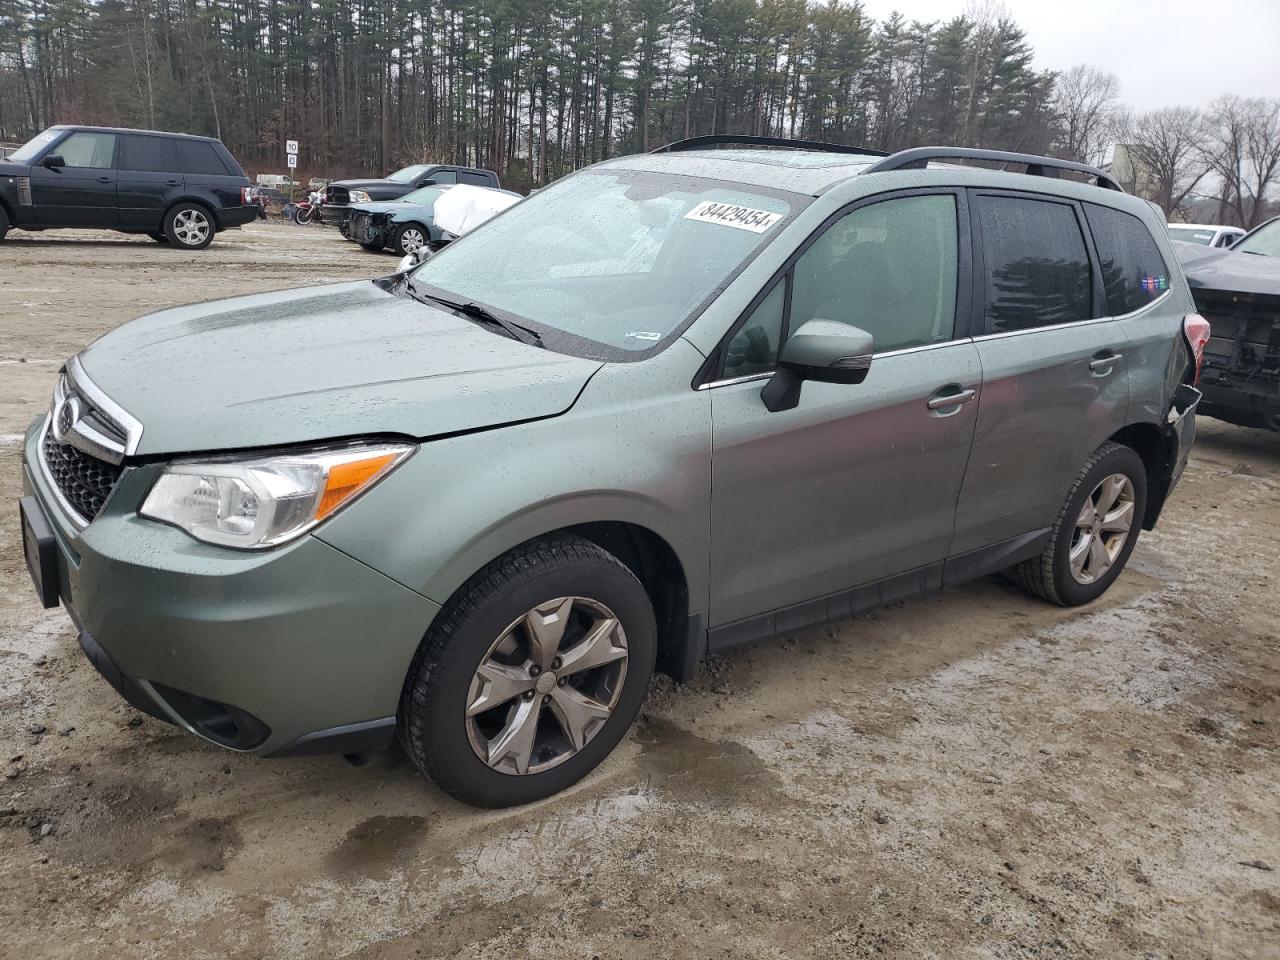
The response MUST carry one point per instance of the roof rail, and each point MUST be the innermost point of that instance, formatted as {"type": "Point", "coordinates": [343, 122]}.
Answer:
{"type": "Point", "coordinates": [1036, 166]}
{"type": "Point", "coordinates": [741, 139]}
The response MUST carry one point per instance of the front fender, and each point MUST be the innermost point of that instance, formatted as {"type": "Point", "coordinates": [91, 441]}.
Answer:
{"type": "Point", "coordinates": [630, 451]}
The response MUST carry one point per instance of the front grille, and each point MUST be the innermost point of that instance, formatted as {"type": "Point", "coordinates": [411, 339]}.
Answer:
{"type": "Point", "coordinates": [85, 482]}
{"type": "Point", "coordinates": [337, 195]}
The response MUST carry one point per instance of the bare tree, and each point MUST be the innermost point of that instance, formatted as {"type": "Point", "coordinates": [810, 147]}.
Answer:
{"type": "Point", "coordinates": [1164, 151]}
{"type": "Point", "coordinates": [1086, 101]}
{"type": "Point", "coordinates": [1243, 149]}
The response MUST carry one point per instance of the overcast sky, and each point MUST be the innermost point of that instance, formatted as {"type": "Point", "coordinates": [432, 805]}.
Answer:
{"type": "Point", "coordinates": [1165, 52]}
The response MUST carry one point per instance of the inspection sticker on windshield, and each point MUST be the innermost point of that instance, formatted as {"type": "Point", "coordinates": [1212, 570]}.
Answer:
{"type": "Point", "coordinates": [732, 215]}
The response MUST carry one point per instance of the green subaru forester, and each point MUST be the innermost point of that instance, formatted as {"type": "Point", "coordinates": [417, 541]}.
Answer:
{"type": "Point", "coordinates": [670, 404]}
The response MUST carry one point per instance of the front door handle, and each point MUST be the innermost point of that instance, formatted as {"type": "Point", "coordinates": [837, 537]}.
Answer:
{"type": "Point", "coordinates": [1102, 365]}
{"type": "Point", "coordinates": [944, 401]}
{"type": "Point", "coordinates": [104, 179]}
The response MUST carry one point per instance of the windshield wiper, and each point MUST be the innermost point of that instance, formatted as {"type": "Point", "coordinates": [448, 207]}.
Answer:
{"type": "Point", "coordinates": [481, 314]}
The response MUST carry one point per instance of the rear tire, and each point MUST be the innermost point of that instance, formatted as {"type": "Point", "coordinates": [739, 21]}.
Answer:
{"type": "Point", "coordinates": [189, 226]}
{"type": "Point", "coordinates": [482, 650]}
{"type": "Point", "coordinates": [1087, 550]}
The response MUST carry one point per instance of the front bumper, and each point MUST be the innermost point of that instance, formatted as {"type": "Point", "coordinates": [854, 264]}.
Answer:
{"type": "Point", "coordinates": [334, 213]}
{"type": "Point", "coordinates": [305, 640]}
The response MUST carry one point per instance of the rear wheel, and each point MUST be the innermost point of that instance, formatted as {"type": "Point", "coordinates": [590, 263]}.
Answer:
{"type": "Point", "coordinates": [1095, 532]}
{"type": "Point", "coordinates": [409, 238]}
{"type": "Point", "coordinates": [530, 675]}
{"type": "Point", "coordinates": [189, 226]}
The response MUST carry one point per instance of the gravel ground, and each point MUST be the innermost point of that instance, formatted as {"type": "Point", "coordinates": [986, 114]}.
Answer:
{"type": "Point", "coordinates": [974, 775]}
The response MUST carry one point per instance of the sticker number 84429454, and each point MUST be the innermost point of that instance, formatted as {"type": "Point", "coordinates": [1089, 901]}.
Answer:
{"type": "Point", "coordinates": [732, 215]}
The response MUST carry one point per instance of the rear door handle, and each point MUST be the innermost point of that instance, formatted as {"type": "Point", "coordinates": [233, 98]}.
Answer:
{"type": "Point", "coordinates": [172, 183]}
{"type": "Point", "coordinates": [944, 401]}
{"type": "Point", "coordinates": [104, 179]}
{"type": "Point", "coordinates": [1103, 364]}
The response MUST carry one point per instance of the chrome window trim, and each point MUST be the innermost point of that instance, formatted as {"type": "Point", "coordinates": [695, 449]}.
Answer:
{"type": "Point", "coordinates": [71, 512]}
{"type": "Point", "coordinates": [921, 348]}
{"type": "Point", "coordinates": [1074, 323]}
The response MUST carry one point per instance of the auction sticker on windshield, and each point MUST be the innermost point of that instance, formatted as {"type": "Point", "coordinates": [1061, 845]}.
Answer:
{"type": "Point", "coordinates": [732, 215]}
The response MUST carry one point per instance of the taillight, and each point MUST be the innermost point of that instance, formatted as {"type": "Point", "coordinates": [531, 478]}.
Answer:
{"type": "Point", "coordinates": [1196, 330]}
{"type": "Point", "coordinates": [246, 196]}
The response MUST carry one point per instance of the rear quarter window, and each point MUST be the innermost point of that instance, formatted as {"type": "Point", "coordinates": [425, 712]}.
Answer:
{"type": "Point", "coordinates": [199, 157]}
{"type": "Point", "coordinates": [1133, 270]}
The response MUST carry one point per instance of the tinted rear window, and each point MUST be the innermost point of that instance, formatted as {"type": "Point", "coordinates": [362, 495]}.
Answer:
{"type": "Point", "coordinates": [197, 156]}
{"type": "Point", "coordinates": [143, 153]}
{"type": "Point", "coordinates": [1037, 267]}
{"type": "Point", "coordinates": [1132, 268]}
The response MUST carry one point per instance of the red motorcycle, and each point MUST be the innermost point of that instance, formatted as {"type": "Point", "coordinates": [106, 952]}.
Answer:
{"type": "Point", "coordinates": [308, 210]}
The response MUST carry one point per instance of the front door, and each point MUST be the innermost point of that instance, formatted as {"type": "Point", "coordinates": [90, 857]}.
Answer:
{"type": "Point", "coordinates": [82, 192]}
{"type": "Point", "coordinates": [858, 483]}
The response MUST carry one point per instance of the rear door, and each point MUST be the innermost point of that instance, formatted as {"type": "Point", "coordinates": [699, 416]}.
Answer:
{"type": "Point", "coordinates": [147, 180]}
{"type": "Point", "coordinates": [1054, 363]}
{"type": "Point", "coordinates": [857, 483]}
{"type": "Point", "coordinates": [82, 193]}
{"type": "Point", "coordinates": [206, 174]}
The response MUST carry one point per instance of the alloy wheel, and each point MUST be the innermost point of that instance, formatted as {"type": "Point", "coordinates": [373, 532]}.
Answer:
{"type": "Point", "coordinates": [547, 686]}
{"type": "Point", "coordinates": [191, 227]}
{"type": "Point", "coordinates": [1102, 528]}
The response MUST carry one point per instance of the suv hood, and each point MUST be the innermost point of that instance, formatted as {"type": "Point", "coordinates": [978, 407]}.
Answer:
{"type": "Point", "coordinates": [322, 363]}
{"type": "Point", "coordinates": [1207, 268]}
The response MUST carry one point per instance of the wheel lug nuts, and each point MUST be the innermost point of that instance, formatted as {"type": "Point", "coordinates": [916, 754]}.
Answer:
{"type": "Point", "coordinates": [534, 670]}
{"type": "Point", "coordinates": [546, 699]}
{"type": "Point", "coordinates": [555, 664]}
{"type": "Point", "coordinates": [562, 681]}
{"type": "Point", "coordinates": [528, 695]}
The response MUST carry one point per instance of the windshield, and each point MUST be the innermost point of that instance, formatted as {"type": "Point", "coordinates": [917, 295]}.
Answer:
{"type": "Point", "coordinates": [28, 152]}
{"type": "Point", "coordinates": [1192, 235]}
{"type": "Point", "coordinates": [409, 174]}
{"type": "Point", "coordinates": [1265, 240]}
{"type": "Point", "coordinates": [610, 263]}
{"type": "Point", "coordinates": [425, 195]}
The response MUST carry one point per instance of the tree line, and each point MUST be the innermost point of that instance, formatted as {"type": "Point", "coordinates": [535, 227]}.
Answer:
{"type": "Point", "coordinates": [537, 88]}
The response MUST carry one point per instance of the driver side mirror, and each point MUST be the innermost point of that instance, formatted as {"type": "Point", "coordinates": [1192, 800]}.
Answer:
{"type": "Point", "coordinates": [821, 350]}
{"type": "Point", "coordinates": [429, 182]}
{"type": "Point", "coordinates": [411, 260]}
{"type": "Point", "coordinates": [53, 162]}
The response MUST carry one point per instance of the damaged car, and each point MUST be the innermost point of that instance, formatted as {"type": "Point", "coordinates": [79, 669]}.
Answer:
{"type": "Point", "coordinates": [411, 223]}
{"type": "Point", "coordinates": [339, 195]}
{"type": "Point", "coordinates": [1238, 292]}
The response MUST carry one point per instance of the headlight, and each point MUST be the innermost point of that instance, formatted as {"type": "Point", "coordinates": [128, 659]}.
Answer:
{"type": "Point", "coordinates": [359, 196]}
{"type": "Point", "coordinates": [263, 502]}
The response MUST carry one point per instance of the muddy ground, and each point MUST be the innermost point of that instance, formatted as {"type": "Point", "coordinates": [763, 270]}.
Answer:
{"type": "Point", "coordinates": [973, 775]}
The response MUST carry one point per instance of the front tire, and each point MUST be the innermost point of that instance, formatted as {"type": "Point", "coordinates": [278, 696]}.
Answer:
{"type": "Point", "coordinates": [189, 226]}
{"type": "Point", "coordinates": [409, 238]}
{"type": "Point", "coordinates": [4, 223]}
{"type": "Point", "coordinates": [530, 675]}
{"type": "Point", "coordinates": [1095, 532]}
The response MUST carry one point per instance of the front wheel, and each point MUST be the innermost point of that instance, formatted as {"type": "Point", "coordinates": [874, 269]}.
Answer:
{"type": "Point", "coordinates": [530, 675]}
{"type": "Point", "coordinates": [409, 238]}
{"type": "Point", "coordinates": [1095, 532]}
{"type": "Point", "coordinates": [189, 226]}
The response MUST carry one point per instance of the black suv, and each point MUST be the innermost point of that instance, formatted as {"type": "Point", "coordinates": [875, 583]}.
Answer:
{"type": "Point", "coordinates": [393, 186]}
{"type": "Point", "coordinates": [173, 187]}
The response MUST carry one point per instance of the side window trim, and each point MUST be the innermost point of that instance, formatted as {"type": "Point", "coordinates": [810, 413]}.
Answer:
{"type": "Point", "coordinates": [1097, 290]}
{"type": "Point", "coordinates": [712, 371]}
